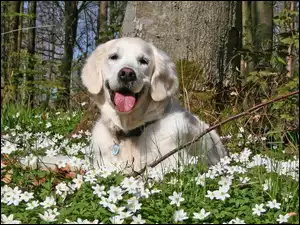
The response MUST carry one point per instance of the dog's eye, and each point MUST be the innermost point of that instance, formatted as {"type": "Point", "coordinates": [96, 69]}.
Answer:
{"type": "Point", "coordinates": [143, 61]}
{"type": "Point", "coordinates": [113, 57]}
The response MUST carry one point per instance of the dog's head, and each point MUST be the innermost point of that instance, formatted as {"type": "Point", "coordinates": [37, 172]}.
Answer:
{"type": "Point", "coordinates": [128, 69]}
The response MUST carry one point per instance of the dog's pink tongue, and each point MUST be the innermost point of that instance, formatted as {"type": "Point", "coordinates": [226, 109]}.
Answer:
{"type": "Point", "coordinates": [124, 103]}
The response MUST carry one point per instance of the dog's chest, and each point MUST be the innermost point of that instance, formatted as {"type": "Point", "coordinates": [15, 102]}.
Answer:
{"type": "Point", "coordinates": [125, 152]}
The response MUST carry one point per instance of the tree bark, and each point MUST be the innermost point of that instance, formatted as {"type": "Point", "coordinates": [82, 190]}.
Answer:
{"type": "Point", "coordinates": [71, 18]}
{"type": "Point", "coordinates": [204, 31]}
{"type": "Point", "coordinates": [185, 30]}
{"type": "Point", "coordinates": [31, 51]}
{"type": "Point", "coordinates": [257, 35]}
{"type": "Point", "coordinates": [247, 40]}
{"type": "Point", "coordinates": [20, 26]}
{"type": "Point", "coordinates": [264, 28]}
{"type": "Point", "coordinates": [290, 50]}
{"type": "Point", "coordinates": [9, 49]}
{"type": "Point", "coordinates": [102, 22]}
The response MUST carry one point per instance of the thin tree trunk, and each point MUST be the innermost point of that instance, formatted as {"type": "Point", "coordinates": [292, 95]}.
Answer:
{"type": "Point", "coordinates": [11, 22]}
{"type": "Point", "coordinates": [257, 34]}
{"type": "Point", "coordinates": [290, 50]}
{"type": "Point", "coordinates": [31, 51]}
{"type": "Point", "coordinates": [20, 26]}
{"type": "Point", "coordinates": [247, 65]}
{"type": "Point", "coordinates": [102, 22]}
{"type": "Point", "coordinates": [71, 18]}
{"type": "Point", "coordinates": [50, 101]}
{"type": "Point", "coordinates": [264, 28]}
{"type": "Point", "coordinates": [9, 57]}
{"type": "Point", "coordinates": [97, 38]}
{"type": "Point", "coordinates": [19, 76]}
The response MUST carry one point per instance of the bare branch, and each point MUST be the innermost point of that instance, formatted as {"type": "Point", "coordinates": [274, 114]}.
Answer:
{"type": "Point", "coordinates": [26, 28]}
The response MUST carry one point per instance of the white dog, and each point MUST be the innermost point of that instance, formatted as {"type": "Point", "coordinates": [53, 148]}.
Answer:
{"type": "Point", "coordinates": [135, 85]}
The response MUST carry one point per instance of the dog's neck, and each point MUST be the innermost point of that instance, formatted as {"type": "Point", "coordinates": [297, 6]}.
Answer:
{"type": "Point", "coordinates": [120, 134]}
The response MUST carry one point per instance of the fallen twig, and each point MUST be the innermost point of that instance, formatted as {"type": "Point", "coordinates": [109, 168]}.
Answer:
{"type": "Point", "coordinates": [156, 162]}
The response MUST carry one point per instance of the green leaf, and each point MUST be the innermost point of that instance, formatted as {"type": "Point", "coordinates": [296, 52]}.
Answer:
{"type": "Point", "coordinates": [281, 60]}
{"type": "Point", "coordinates": [287, 40]}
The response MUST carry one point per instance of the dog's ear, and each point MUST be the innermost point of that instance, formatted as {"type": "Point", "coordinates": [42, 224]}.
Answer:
{"type": "Point", "coordinates": [164, 81]}
{"type": "Point", "coordinates": [91, 73]}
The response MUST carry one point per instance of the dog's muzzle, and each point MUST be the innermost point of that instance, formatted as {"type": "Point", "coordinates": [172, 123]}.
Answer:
{"type": "Point", "coordinates": [123, 98]}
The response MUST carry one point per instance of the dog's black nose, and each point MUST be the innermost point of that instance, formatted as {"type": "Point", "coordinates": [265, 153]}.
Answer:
{"type": "Point", "coordinates": [127, 74]}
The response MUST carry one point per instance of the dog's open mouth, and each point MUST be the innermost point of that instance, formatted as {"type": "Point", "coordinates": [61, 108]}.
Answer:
{"type": "Point", "coordinates": [124, 99]}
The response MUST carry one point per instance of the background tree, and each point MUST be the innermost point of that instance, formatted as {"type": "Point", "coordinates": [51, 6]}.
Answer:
{"type": "Point", "coordinates": [10, 19]}
{"type": "Point", "coordinates": [31, 51]}
{"type": "Point", "coordinates": [204, 31]}
{"type": "Point", "coordinates": [102, 22]}
{"type": "Point", "coordinates": [71, 18]}
{"type": "Point", "coordinates": [45, 62]}
{"type": "Point", "coordinates": [257, 34]}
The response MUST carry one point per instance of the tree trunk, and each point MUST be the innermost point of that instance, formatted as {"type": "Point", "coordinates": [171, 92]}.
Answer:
{"type": "Point", "coordinates": [102, 22]}
{"type": "Point", "coordinates": [20, 26]}
{"type": "Point", "coordinates": [290, 50]}
{"type": "Point", "coordinates": [71, 18]}
{"type": "Point", "coordinates": [246, 64]}
{"type": "Point", "coordinates": [9, 49]}
{"type": "Point", "coordinates": [31, 51]}
{"type": "Point", "coordinates": [257, 35]}
{"type": "Point", "coordinates": [18, 78]}
{"type": "Point", "coordinates": [49, 97]}
{"type": "Point", "coordinates": [204, 31]}
{"type": "Point", "coordinates": [264, 28]}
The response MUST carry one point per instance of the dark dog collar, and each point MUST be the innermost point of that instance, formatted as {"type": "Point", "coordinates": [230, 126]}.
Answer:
{"type": "Point", "coordinates": [121, 134]}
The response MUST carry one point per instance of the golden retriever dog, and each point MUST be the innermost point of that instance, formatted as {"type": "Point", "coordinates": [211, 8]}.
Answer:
{"type": "Point", "coordinates": [135, 85]}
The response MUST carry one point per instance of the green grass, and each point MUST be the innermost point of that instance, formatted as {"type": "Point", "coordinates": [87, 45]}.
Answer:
{"type": "Point", "coordinates": [152, 192]}
{"type": "Point", "coordinates": [35, 120]}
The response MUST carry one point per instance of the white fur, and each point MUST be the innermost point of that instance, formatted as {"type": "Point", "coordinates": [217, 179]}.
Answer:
{"type": "Point", "coordinates": [173, 124]}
